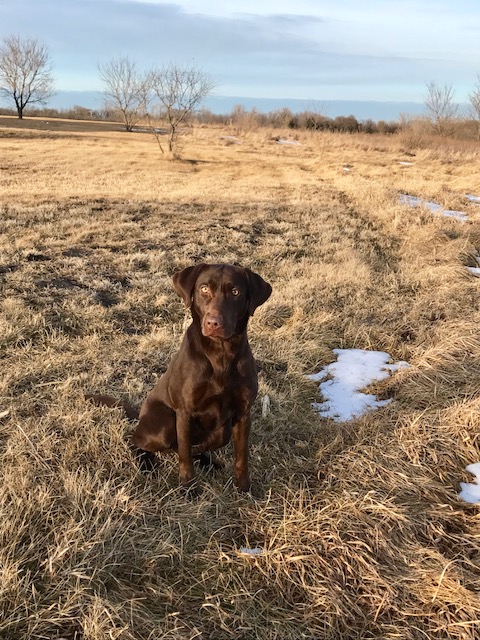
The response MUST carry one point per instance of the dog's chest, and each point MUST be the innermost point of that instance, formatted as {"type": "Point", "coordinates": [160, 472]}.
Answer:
{"type": "Point", "coordinates": [221, 396]}
{"type": "Point", "coordinates": [222, 391]}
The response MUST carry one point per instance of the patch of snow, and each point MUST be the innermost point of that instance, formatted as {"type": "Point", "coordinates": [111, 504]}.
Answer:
{"type": "Point", "coordinates": [346, 168]}
{"type": "Point", "coordinates": [475, 270]}
{"type": "Point", "coordinates": [472, 198]}
{"type": "Point", "coordinates": [461, 216]}
{"type": "Point", "coordinates": [282, 141]}
{"type": "Point", "coordinates": [354, 370]}
{"type": "Point", "coordinates": [256, 551]}
{"type": "Point", "coordinates": [410, 201]}
{"type": "Point", "coordinates": [405, 163]}
{"type": "Point", "coordinates": [266, 406]}
{"type": "Point", "coordinates": [149, 130]}
{"type": "Point", "coordinates": [413, 201]}
{"type": "Point", "coordinates": [471, 492]}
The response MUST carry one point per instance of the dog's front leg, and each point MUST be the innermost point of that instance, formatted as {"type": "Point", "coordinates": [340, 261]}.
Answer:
{"type": "Point", "coordinates": [184, 443]}
{"type": "Point", "coordinates": [241, 431]}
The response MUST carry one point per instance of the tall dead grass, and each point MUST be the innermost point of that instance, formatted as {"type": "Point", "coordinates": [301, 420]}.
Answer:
{"type": "Point", "coordinates": [361, 530]}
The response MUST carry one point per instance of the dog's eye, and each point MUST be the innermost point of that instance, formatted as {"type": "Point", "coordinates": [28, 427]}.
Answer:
{"type": "Point", "coordinates": [235, 291]}
{"type": "Point", "coordinates": [204, 288]}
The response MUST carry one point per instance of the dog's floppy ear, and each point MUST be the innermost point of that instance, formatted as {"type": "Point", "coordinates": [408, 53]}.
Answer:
{"type": "Point", "coordinates": [259, 291]}
{"type": "Point", "coordinates": [184, 281]}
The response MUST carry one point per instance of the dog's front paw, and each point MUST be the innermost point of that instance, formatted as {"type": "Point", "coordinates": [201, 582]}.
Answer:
{"type": "Point", "coordinates": [243, 484]}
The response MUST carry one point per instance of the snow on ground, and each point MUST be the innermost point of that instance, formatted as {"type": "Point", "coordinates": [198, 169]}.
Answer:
{"type": "Point", "coordinates": [475, 270]}
{"type": "Point", "coordinates": [281, 141]}
{"type": "Point", "coordinates": [266, 406]}
{"type": "Point", "coordinates": [471, 492]}
{"type": "Point", "coordinates": [472, 198]}
{"type": "Point", "coordinates": [413, 201]}
{"type": "Point", "coordinates": [247, 551]}
{"type": "Point", "coordinates": [354, 370]}
{"type": "Point", "coordinates": [405, 163]}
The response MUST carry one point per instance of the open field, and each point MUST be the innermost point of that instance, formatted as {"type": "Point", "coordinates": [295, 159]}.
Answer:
{"type": "Point", "coordinates": [361, 530]}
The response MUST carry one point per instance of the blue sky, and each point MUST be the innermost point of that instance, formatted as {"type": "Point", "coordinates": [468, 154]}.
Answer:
{"type": "Point", "coordinates": [307, 49]}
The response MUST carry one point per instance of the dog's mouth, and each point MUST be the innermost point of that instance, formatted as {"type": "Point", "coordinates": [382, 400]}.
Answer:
{"type": "Point", "coordinates": [219, 331]}
{"type": "Point", "coordinates": [215, 333]}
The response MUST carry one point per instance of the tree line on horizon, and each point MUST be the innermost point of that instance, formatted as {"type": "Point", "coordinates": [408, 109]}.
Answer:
{"type": "Point", "coordinates": [239, 117]}
{"type": "Point", "coordinates": [173, 94]}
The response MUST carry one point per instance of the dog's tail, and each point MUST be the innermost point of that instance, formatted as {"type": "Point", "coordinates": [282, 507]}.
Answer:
{"type": "Point", "coordinates": [109, 401]}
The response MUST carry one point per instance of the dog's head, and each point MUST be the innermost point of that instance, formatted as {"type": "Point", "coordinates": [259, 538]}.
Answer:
{"type": "Point", "coordinates": [222, 296]}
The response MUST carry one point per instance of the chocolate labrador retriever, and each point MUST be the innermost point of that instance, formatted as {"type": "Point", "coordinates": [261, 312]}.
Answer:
{"type": "Point", "coordinates": [205, 396]}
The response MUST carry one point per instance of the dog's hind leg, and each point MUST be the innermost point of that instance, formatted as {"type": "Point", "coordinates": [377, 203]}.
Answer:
{"type": "Point", "coordinates": [156, 429]}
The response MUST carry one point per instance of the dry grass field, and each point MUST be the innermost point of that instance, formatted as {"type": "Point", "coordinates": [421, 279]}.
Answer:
{"type": "Point", "coordinates": [361, 530]}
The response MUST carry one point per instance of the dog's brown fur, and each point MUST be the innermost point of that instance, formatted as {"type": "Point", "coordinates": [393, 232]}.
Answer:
{"type": "Point", "coordinates": [205, 397]}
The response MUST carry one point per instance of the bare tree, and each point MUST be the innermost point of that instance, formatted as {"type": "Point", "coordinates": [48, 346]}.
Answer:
{"type": "Point", "coordinates": [25, 72]}
{"type": "Point", "coordinates": [314, 116]}
{"type": "Point", "coordinates": [126, 89]}
{"type": "Point", "coordinates": [178, 91]}
{"type": "Point", "coordinates": [245, 120]}
{"type": "Point", "coordinates": [441, 109]}
{"type": "Point", "coordinates": [474, 110]}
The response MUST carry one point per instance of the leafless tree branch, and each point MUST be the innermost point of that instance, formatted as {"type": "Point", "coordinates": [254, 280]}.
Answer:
{"type": "Point", "coordinates": [177, 92]}
{"type": "Point", "coordinates": [441, 109]}
{"type": "Point", "coordinates": [474, 110]}
{"type": "Point", "coordinates": [126, 89]}
{"type": "Point", "coordinates": [25, 72]}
